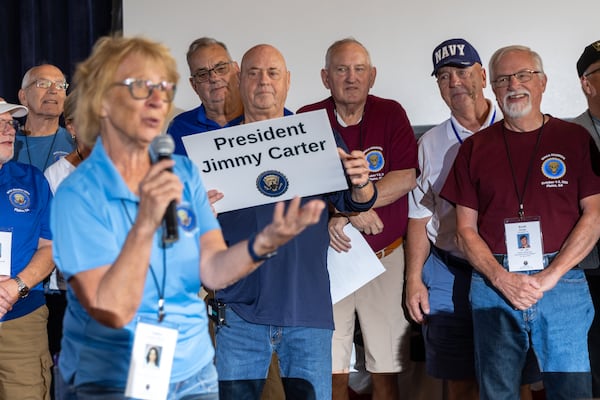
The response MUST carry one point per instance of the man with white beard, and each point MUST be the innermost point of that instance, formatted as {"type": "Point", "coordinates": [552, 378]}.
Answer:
{"type": "Point", "coordinates": [527, 174]}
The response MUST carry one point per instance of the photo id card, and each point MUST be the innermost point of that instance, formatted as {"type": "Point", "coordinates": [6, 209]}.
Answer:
{"type": "Point", "coordinates": [524, 246]}
{"type": "Point", "coordinates": [151, 360]}
{"type": "Point", "coordinates": [5, 251]}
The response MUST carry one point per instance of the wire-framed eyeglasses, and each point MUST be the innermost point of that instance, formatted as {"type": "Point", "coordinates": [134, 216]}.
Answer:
{"type": "Point", "coordinates": [141, 89]}
{"type": "Point", "coordinates": [203, 75]}
{"type": "Point", "coordinates": [47, 83]}
{"type": "Point", "coordinates": [522, 76]}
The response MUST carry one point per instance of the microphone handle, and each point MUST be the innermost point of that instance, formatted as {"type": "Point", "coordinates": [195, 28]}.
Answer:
{"type": "Point", "coordinates": [170, 223]}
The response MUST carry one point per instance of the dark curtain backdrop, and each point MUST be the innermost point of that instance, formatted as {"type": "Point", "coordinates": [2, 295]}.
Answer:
{"type": "Point", "coordinates": [59, 32]}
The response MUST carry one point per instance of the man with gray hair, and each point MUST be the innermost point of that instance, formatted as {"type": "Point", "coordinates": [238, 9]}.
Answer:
{"type": "Point", "coordinates": [214, 77]}
{"type": "Point", "coordinates": [42, 141]}
{"type": "Point", "coordinates": [380, 128]}
{"type": "Point", "coordinates": [529, 174]}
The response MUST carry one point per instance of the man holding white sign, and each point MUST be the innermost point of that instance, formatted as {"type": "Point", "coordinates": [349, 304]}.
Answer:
{"type": "Point", "coordinates": [284, 307]}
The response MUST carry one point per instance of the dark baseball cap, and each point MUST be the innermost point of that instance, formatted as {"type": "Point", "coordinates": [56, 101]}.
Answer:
{"type": "Point", "coordinates": [590, 55]}
{"type": "Point", "coordinates": [454, 52]}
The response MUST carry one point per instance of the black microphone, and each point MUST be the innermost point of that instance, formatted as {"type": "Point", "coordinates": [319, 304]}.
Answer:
{"type": "Point", "coordinates": [162, 147]}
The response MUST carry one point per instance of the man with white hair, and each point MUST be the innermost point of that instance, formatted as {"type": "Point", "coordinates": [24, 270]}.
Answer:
{"type": "Point", "coordinates": [529, 174]}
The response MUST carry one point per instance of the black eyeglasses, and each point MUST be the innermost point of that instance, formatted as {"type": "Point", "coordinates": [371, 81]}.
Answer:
{"type": "Point", "coordinates": [47, 83]}
{"type": "Point", "coordinates": [203, 75]}
{"type": "Point", "coordinates": [4, 124]}
{"type": "Point", "coordinates": [522, 76]}
{"type": "Point", "coordinates": [592, 72]}
{"type": "Point", "coordinates": [141, 89]}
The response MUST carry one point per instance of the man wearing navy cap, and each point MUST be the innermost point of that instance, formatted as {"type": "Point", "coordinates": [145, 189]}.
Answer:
{"type": "Point", "coordinates": [588, 70]}
{"type": "Point", "coordinates": [438, 276]}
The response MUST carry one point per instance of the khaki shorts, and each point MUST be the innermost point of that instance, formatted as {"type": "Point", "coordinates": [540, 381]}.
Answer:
{"type": "Point", "coordinates": [25, 361]}
{"type": "Point", "coordinates": [385, 330]}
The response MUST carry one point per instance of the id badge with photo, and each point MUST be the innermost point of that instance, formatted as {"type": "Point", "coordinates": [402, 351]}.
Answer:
{"type": "Point", "coordinates": [524, 246]}
{"type": "Point", "coordinates": [5, 251]}
{"type": "Point", "coordinates": [151, 360]}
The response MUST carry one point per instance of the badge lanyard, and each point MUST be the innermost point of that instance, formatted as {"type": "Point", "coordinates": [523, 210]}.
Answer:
{"type": "Point", "coordinates": [159, 288]}
{"type": "Point", "coordinates": [521, 194]}
{"type": "Point", "coordinates": [49, 150]}
{"type": "Point", "coordinates": [460, 141]}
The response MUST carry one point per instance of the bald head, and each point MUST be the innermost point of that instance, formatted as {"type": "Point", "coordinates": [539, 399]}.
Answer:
{"type": "Point", "coordinates": [264, 83]}
{"type": "Point", "coordinates": [40, 71]}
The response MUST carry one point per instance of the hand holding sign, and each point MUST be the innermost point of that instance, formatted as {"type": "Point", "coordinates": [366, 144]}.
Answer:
{"type": "Point", "coordinates": [356, 167]}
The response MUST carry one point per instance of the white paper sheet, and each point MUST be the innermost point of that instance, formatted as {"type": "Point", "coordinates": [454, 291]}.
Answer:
{"type": "Point", "coordinates": [351, 270]}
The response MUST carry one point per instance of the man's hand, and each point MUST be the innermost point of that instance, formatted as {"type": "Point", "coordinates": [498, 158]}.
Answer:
{"type": "Point", "coordinates": [367, 222]}
{"type": "Point", "coordinates": [417, 300]}
{"type": "Point", "coordinates": [521, 290]}
{"type": "Point", "coordinates": [8, 294]}
{"type": "Point", "coordinates": [338, 240]}
{"type": "Point", "coordinates": [214, 196]}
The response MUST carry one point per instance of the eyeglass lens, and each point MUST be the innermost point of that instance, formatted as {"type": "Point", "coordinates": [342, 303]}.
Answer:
{"type": "Point", "coordinates": [4, 124]}
{"type": "Point", "coordinates": [46, 83]}
{"type": "Point", "coordinates": [204, 74]}
{"type": "Point", "coordinates": [141, 89]}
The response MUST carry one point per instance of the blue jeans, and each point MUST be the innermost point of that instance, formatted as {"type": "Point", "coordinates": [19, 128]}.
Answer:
{"type": "Point", "coordinates": [448, 333]}
{"type": "Point", "coordinates": [202, 386]}
{"type": "Point", "coordinates": [243, 356]}
{"type": "Point", "coordinates": [555, 327]}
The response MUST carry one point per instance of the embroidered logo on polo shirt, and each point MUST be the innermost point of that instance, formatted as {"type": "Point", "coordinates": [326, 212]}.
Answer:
{"type": "Point", "coordinates": [272, 183]}
{"type": "Point", "coordinates": [186, 217]}
{"type": "Point", "coordinates": [554, 168]}
{"type": "Point", "coordinates": [20, 199]}
{"type": "Point", "coordinates": [375, 158]}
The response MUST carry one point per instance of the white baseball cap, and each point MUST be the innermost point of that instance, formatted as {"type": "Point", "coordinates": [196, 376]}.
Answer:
{"type": "Point", "coordinates": [15, 109]}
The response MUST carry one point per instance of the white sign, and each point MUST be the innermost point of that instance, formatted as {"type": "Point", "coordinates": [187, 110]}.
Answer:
{"type": "Point", "coordinates": [268, 161]}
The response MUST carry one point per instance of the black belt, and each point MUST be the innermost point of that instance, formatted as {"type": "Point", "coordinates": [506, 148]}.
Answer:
{"type": "Point", "coordinates": [450, 259]}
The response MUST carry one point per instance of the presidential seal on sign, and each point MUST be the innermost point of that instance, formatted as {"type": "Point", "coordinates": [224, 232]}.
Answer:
{"type": "Point", "coordinates": [272, 183]}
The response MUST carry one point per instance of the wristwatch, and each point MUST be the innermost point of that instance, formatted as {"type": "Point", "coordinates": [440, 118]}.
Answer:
{"type": "Point", "coordinates": [23, 288]}
{"type": "Point", "coordinates": [255, 257]}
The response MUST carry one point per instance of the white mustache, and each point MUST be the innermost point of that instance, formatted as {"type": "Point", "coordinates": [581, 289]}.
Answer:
{"type": "Point", "coordinates": [516, 93]}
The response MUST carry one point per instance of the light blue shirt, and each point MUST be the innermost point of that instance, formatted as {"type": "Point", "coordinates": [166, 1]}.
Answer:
{"type": "Point", "coordinates": [91, 217]}
{"type": "Point", "coordinates": [43, 151]}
